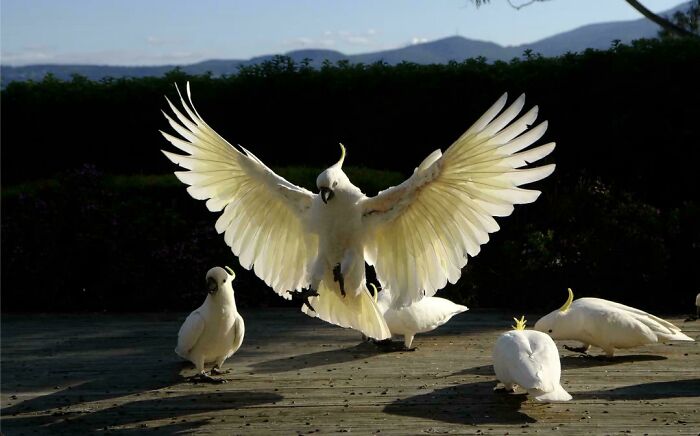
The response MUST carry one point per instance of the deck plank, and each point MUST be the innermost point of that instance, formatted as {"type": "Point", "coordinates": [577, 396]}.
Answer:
{"type": "Point", "coordinates": [82, 374]}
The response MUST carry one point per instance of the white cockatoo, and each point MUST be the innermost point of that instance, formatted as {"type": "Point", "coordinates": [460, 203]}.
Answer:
{"type": "Point", "coordinates": [420, 317]}
{"type": "Point", "coordinates": [697, 306]}
{"type": "Point", "coordinates": [417, 235]}
{"type": "Point", "coordinates": [606, 324]}
{"type": "Point", "coordinates": [529, 359]}
{"type": "Point", "coordinates": [214, 331]}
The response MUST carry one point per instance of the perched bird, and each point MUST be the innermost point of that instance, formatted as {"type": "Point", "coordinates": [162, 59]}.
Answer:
{"type": "Point", "coordinates": [417, 235]}
{"type": "Point", "coordinates": [214, 331]}
{"type": "Point", "coordinates": [697, 306]}
{"type": "Point", "coordinates": [420, 317]}
{"type": "Point", "coordinates": [529, 359]}
{"type": "Point", "coordinates": [606, 324]}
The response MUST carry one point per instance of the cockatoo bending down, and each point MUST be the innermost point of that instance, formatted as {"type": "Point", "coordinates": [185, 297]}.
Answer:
{"type": "Point", "coordinates": [420, 317]}
{"type": "Point", "coordinates": [606, 324]}
{"type": "Point", "coordinates": [529, 359]}
{"type": "Point", "coordinates": [214, 331]}
{"type": "Point", "coordinates": [417, 235]}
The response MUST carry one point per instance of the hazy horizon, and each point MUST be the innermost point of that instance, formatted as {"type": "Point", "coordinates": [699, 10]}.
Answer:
{"type": "Point", "coordinates": [130, 33]}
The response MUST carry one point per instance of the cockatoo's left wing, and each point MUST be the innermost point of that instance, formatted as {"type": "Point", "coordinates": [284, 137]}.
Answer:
{"type": "Point", "coordinates": [421, 232]}
{"type": "Point", "coordinates": [264, 216]}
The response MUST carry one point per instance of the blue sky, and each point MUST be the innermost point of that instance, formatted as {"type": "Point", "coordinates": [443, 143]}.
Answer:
{"type": "Point", "coordinates": [152, 32]}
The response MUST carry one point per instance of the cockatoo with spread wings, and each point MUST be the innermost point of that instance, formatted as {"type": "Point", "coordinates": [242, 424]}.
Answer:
{"type": "Point", "coordinates": [417, 235]}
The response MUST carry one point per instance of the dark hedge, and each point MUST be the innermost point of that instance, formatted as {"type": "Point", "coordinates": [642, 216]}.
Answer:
{"type": "Point", "coordinates": [86, 227]}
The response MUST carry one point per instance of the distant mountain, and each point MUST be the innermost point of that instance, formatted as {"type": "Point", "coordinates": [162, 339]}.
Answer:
{"type": "Point", "coordinates": [457, 48]}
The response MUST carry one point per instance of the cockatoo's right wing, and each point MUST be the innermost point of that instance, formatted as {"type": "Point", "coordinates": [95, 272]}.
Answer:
{"type": "Point", "coordinates": [189, 334]}
{"type": "Point", "coordinates": [264, 216]}
{"type": "Point", "coordinates": [421, 232]}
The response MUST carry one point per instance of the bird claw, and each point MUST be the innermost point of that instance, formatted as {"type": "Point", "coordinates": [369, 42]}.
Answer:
{"type": "Point", "coordinates": [338, 277]}
{"type": "Point", "coordinates": [305, 294]}
{"type": "Point", "coordinates": [205, 378]}
{"type": "Point", "coordinates": [219, 371]}
{"type": "Point", "coordinates": [581, 350]}
{"type": "Point", "coordinates": [389, 346]}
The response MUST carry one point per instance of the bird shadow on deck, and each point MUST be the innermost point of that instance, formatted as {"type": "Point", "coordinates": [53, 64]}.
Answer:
{"type": "Point", "coordinates": [469, 403]}
{"type": "Point", "coordinates": [590, 361]}
{"type": "Point", "coordinates": [362, 350]}
{"type": "Point", "coordinates": [175, 409]}
{"type": "Point", "coordinates": [645, 391]}
{"type": "Point", "coordinates": [86, 368]}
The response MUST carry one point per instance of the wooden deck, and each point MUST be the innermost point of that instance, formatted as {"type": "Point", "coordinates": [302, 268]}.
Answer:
{"type": "Point", "coordinates": [295, 375]}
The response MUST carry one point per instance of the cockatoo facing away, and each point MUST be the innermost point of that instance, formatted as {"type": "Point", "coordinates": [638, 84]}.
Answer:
{"type": "Point", "coordinates": [529, 359]}
{"type": "Point", "coordinates": [215, 330]}
{"type": "Point", "coordinates": [606, 324]}
{"type": "Point", "coordinates": [420, 317]}
{"type": "Point", "coordinates": [417, 235]}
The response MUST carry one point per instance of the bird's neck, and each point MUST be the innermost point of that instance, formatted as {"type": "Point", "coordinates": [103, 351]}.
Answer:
{"type": "Point", "coordinates": [223, 300]}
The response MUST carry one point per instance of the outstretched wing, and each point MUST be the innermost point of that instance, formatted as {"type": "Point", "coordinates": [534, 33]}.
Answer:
{"type": "Point", "coordinates": [264, 215]}
{"type": "Point", "coordinates": [422, 231]}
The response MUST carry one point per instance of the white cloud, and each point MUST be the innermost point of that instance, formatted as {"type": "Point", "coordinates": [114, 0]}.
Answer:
{"type": "Point", "coordinates": [104, 57]}
{"type": "Point", "coordinates": [331, 38]}
{"type": "Point", "coordinates": [418, 40]}
{"type": "Point", "coordinates": [159, 41]}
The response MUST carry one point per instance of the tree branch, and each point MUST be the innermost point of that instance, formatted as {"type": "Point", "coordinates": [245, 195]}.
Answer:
{"type": "Point", "coordinates": [661, 21]}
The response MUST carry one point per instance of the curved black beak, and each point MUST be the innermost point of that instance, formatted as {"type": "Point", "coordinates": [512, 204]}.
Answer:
{"type": "Point", "coordinates": [326, 194]}
{"type": "Point", "coordinates": [211, 285]}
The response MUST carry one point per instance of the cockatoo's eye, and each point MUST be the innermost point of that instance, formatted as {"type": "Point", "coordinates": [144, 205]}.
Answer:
{"type": "Point", "coordinates": [550, 330]}
{"type": "Point", "coordinates": [335, 184]}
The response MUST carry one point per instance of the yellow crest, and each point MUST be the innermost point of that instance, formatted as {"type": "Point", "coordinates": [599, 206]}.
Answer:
{"type": "Point", "coordinates": [342, 156]}
{"type": "Point", "coordinates": [566, 305]}
{"type": "Point", "coordinates": [519, 323]}
{"type": "Point", "coordinates": [230, 271]}
{"type": "Point", "coordinates": [374, 289]}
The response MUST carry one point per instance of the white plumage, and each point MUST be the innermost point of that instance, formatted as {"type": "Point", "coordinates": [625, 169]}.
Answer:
{"type": "Point", "coordinates": [420, 317]}
{"type": "Point", "coordinates": [418, 235]}
{"type": "Point", "coordinates": [606, 324]}
{"type": "Point", "coordinates": [215, 330]}
{"type": "Point", "coordinates": [529, 359]}
{"type": "Point", "coordinates": [697, 306]}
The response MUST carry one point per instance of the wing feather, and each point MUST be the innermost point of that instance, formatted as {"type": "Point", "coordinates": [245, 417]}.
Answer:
{"type": "Point", "coordinates": [423, 230]}
{"type": "Point", "coordinates": [264, 216]}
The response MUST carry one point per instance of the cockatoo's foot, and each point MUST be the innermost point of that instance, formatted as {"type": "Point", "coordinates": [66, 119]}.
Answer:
{"type": "Point", "coordinates": [338, 277]}
{"type": "Point", "coordinates": [205, 378]}
{"type": "Point", "coordinates": [387, 345]}
{"type": "Point", "coordinates": [503, 390]}
{"type": "Point", "coordinates": [304, 295]}
{"type": "Point", "coordinates": [218, 371]}
{"type": "Point", "coordinates": [582, 350]}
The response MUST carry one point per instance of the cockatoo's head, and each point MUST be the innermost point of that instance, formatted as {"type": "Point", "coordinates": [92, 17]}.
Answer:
{"type": "Point", "coordinates": [558, 324]}
{"type": "Point", "coordinates": [219, 280]}
{"type": "Point", "coordinates": [333, 179]}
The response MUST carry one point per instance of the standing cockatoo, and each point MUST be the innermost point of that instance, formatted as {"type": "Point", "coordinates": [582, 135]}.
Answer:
{"type": "Point", "coordinates": [420, 317]}
{"type": "Point", "coordinates": [529, 359]}
{"type": "Point", "coordinates": [417, 235]}
{"type": "Point", "coordinates": [606, 324]}
{"type": "Point", "coordinates": [697, 306]}
{"type": "Point", "coordinates": [215, 330]}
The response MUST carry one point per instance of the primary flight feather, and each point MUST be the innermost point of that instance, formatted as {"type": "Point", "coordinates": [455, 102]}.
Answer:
{"type": "Point", "coordinates": [417, 235]}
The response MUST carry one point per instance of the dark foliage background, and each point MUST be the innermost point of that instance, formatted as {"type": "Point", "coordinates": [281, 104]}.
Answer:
{"type": "Point", "coordinates": [93, 220]}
